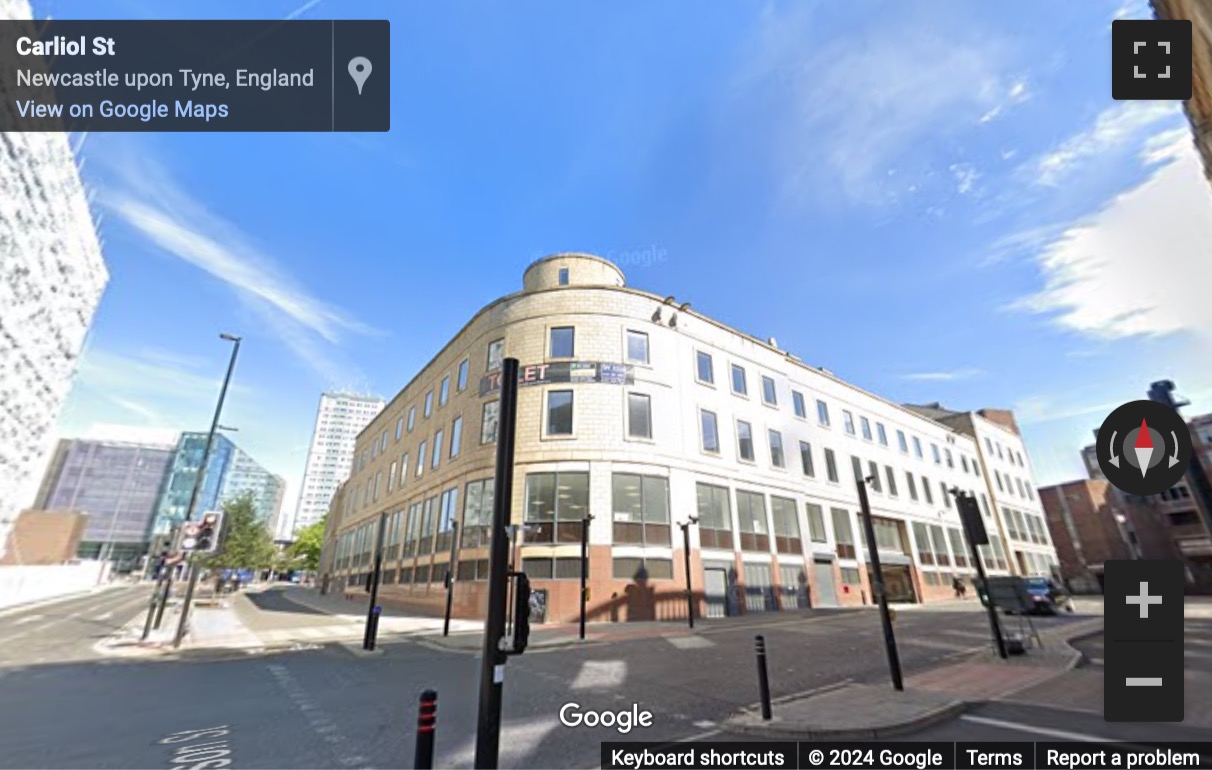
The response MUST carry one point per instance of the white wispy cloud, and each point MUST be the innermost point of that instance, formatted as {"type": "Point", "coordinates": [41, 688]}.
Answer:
{"type": "Point", "coordinates": [1133, 9]}
{"type": "Point", "coordinates": [965, 177]}
{"type": "Point", "coordinates": [302, 9]}
{"type": "Point", "coordinates": [141, 192]}
{"type": "Point", "coordinates": [852, 108]}
{"type": "Point", "coordinates": [1115, 128]}
{"type": "Point", "coordinates": [1016, 93]}
{"type": "Point", "coordinates": [944, 376]}
{"type": "Point", "coordinates": [1139, 266]}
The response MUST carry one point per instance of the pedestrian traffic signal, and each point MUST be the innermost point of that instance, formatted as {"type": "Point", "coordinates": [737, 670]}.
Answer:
{"type": "Point", "coordinates": [208, 531]}
{"type": "Point", "coordinates": [521, 614]}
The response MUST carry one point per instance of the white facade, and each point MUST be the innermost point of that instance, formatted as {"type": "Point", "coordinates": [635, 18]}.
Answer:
{"type": "Point", "coordinates": [703, 445]}
{"type": "Point", "coordinates": [52, 276]}
{"type": "Point", "coordinates": [339, 420]}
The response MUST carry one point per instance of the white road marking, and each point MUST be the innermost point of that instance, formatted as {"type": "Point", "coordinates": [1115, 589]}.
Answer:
{"type": "Point", "coordinates": [1096, 661]}
{"type": "Point", "coordinates": [1006, 725]}
{"type": "Point", "coordinates": [600, 675]}
{"type": "Point", "coordinates": [30, 619]}
{"type": "Point", "coordinates": [104, 616]}
{"type": "Point", "coordinates": [704, 724]}
{"type": "Point", "coordinates": [689, 642]}
{"type": "Point", "coordinates": [315, 716]}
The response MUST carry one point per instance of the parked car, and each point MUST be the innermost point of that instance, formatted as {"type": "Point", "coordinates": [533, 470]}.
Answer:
{"type": "Point", "coordinates": [1048, 597]}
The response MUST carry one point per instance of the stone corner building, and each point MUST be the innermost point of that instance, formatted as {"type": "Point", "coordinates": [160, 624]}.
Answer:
{"type": "Point", "coordinates": [640, 412]}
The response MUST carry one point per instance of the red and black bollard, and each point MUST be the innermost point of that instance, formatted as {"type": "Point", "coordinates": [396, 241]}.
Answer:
{"type": "Point", "coordinates": [427, 720]}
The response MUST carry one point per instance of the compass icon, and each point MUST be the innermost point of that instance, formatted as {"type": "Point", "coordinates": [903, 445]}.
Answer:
{"type": "Point", "coordinates": [1144, 448]}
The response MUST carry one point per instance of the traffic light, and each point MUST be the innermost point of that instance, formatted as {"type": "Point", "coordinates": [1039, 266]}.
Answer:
{"type": "Point", "coordinates": [208, 531]}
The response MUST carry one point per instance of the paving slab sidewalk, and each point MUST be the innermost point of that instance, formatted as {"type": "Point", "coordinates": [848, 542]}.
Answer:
{"type": "Point", "coordinates": [863, 712]}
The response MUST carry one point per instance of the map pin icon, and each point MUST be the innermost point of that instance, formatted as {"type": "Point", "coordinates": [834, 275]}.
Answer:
{"type": "Point", "coordinates": [359, 70]}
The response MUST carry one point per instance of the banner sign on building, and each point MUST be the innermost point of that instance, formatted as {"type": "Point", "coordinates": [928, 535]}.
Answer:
{"type": "Point", "coordinates": [564, 371]}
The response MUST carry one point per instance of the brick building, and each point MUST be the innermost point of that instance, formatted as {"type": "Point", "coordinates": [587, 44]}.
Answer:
{"type": "Point", "coordinates": [640, 413]}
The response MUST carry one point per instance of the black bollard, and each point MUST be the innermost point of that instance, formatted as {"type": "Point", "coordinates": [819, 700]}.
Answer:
{"type": "Point", "coordinates": [372, 633]}
{"type": "Point", "coordinates": [427, 720]}
{"type": "Point", "coordinates": [759, 646]}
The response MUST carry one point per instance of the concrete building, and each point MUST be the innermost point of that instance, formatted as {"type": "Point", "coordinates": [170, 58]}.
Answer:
{"type": "Point", "coordinates": [229, 473]}
{"type": "Point", "coordinates": [339, 419]}
{"type": "Point", "coordinates": [52, 276]}
{"type": "Point", "coordinates": [639, 412]}
{"type": "Point", "coordinates": [1199, 106]}
{"type": "Point", "coordinates": [117, 485]}
{"type": "Point", "coordinates": [1007, 483]}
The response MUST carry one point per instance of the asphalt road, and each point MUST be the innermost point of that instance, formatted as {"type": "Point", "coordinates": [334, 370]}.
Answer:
{"type": "Point", "coordinates": [67, 630]}
{"type": "Point", "coordinates": [332, 708]}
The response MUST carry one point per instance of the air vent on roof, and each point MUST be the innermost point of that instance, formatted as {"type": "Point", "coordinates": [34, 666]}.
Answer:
{"type": "Point", "coordinates": [772, 342]}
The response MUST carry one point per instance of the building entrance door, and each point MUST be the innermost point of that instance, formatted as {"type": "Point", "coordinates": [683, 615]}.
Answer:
{"type": "Point", "coordinates": [717, 595]}
{"type": "Point", "coordinates": [826, 590]}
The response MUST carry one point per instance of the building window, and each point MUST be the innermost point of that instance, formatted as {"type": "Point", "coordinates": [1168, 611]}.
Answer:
{"type": "Point", "coordinates": [437, 448]}
{"type": "Point", "coordinates": [964, 462]}
{"type": "Point", "coordinates": [710, 430]}
{"type": "Point", "coordinates": [489, 417]}
{"type": "Point", "coordinates": [704, 368]}
{"type": "Point", "coordinates": [843, 533]}
{"type": "Point", "coordinates": [477, 514]}
{"type": "Point", "coordinates": [926, 491]}
{"type": "Point", "coordinates": [637, 347]}
{"type": "Point", "coordinates": [866, 427]}
{"type": "Point", "coordinates": [641, 569]}
{"type": "Point", "coordinates": [563, 342]}
{"type": "Point", "coordinates": [412, 417]}
{"type": "Point", "coordinates": [391, 477]}
{"type": "Point", "coordinates": [890, 475]}
{"type": "Point", "coordinates": [816, 523]}
{"type": "Point", "coordinates": [448, 512]}
{"type": "Point", "coordinates": [556, 507]}
{"type": "Point", "coordinates": [856, 465]}
{"type": "Point", "coordinates": [786, 526]}
{"type": "Point", "coordinates": [715, 517]}
{"type": "Point", "coordinates": [938, 458]}
{"type": "Point", "coordinates": [496, 354]}
{"type": "Point", "coordinates": [776, 449]}
{"type": "Point", "coordinates": [806, 459]}
{"type": "Point", "coordinates": [917, 447]}
{"type": "Point", "coordinates": [444, 391]}
{"type": "Point", "coordinates": [848, 421]}
{"type": "Point", "coordinates": [958, 548]}
{"type": "Point", "coordinates": [739, 385]}
{"type": "Point", "coordinates": [744, 438]}
{"type": "Point", "coordinates": [559, 413]}
{"type": "Point", "coordinates": [751, 514]}
{"type": "Point", "coordinates": [769, 393]}
{"type": "Point", "coordinates": [881, 433]}
{"type": "Point", "coordinates": [850, 576]}
{"type": "Point", "coordinates": [912, 484]}
{"type": "Point", "coordinates": [873, 471]}
{"type": "Point", "coordinates": [797, 403]}
{"type": "Point", "coordinates": [640, 505]}
{"type": "Point", "coordinates": [464, 365]}
{"type": "Point", "coordinates": [901, 442]}
{"type": "Point", "coordinates": [830, 466]}
{"type": "Point", "coordinates": [998, 476]}
{"type": "Point", "coordinates": [548, 568]}
{"type": "Point", "coordinates": [639, 415]}
{"type": "Point", "coordinates": [942, 489]}
{"type": "Point", "coordinates": [1019, 483]}
{"type": "Point", "coordinates": [403, 469]}
{"type": "Point", "coordinates": [563, 277]}
{"type": "Point", "coordinates": [429, 521]}
{"type": "Point", "coordinates": [399, 427]}
{"type": "Point", "coordinates": [950, 460]}
{"type": "Point", "coordinates": [921, 536]}
{"type": "Point", "coordinates": [822, 413]}
{"type": "Point", "coordinates": [428, 403]}
{"type": "Point", "coordinates": [456, 437]}
{"type": "Point", "coordinates": [421, 459]}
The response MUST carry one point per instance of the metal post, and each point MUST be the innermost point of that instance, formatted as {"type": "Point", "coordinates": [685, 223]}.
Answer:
{"type": "Point", "coordinates": [368, 637]}
{"type": "Point", "coordinates": [584, 570]}
{"type": "Point", "coordinates": [881, 595]}
{"type": "Point", "coordinates": [759, 646]}
{"type": "Point", "coordinates": [450, 575]}
{"type": "Point", "coordinates": [427, 722]}
{"type": "Point", "coordinates": [197, 491]}
{"type": "Point", "coordinates": [492, 670]}
{"type": "Point", "coordinates": [164, 588]}
{"type": "Point", "coordinates": [686, 555]}
{"type": "Point", "coordinates": [372, 627]}
{"type": "Point", "coordinates": [963, 499]}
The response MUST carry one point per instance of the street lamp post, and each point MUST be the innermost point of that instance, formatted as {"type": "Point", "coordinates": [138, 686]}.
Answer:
{"type": "Point", "coordinates": [193, 497]}
{"type": "Point", "coordinates": [881, 593]}
{"type": "Point", "coordinates": [685, 525]}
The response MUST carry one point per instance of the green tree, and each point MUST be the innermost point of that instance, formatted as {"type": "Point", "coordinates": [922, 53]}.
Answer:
{"type": "Point", "coordinates": [244, 543]}
{"type": "Point", "coordinates": [305, 551]}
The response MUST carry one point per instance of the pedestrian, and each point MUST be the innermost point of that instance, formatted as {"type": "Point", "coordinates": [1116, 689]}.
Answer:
{"type": "Point", "coordinates": [958, 585]}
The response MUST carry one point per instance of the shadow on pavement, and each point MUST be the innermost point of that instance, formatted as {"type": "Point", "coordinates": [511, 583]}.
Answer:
{"type": "Point", "coordinates": [274, 600]}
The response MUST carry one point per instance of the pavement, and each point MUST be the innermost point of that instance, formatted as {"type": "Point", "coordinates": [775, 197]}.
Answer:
{"type": "Point", "coordinates": [67, 628]}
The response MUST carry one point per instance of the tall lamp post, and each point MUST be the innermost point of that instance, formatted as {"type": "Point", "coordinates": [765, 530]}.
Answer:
{"type": "Point", "coordinates": [685, 525]}
{"type": "Point", "coordinates": [584, 569]}
{"type": "Point", "coordinates": [197, 491]}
